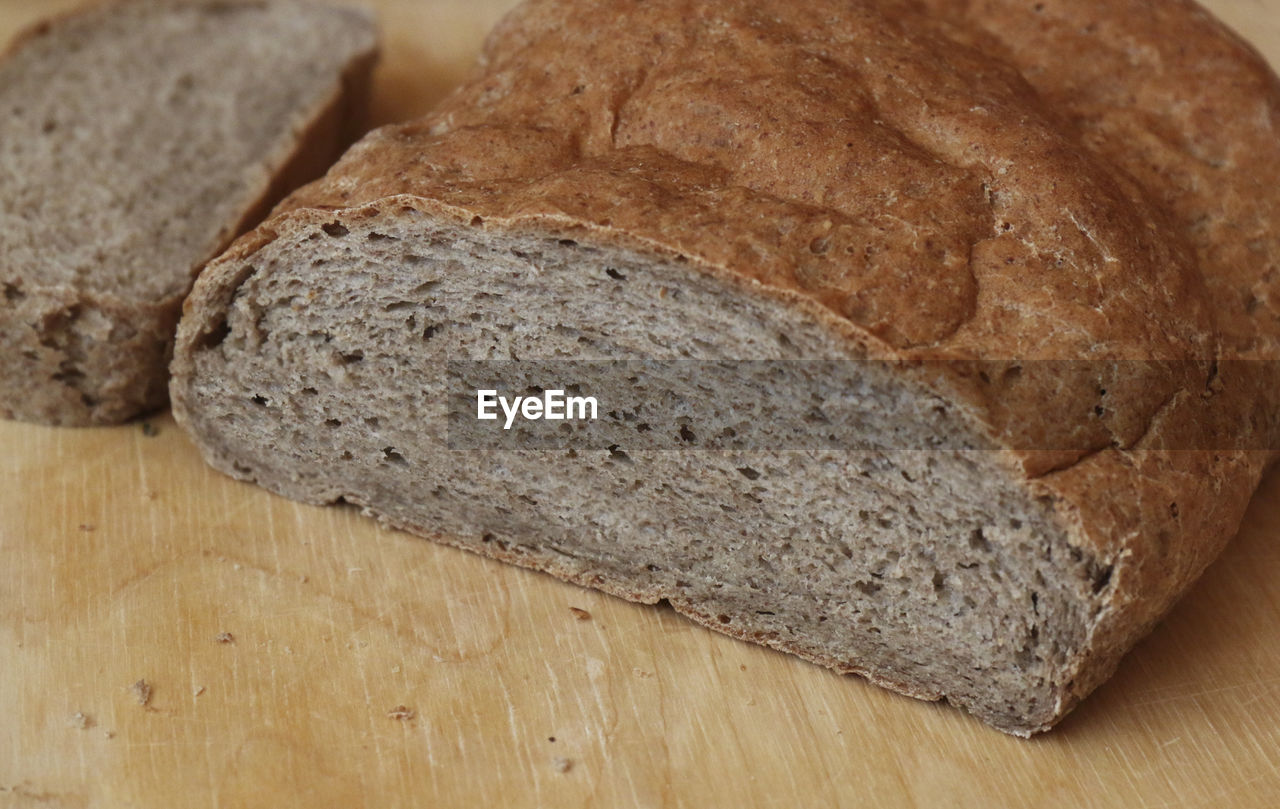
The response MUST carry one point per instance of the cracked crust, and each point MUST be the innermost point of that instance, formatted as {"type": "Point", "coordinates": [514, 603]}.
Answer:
{"type": "Point", "coordinates": [941, 180]}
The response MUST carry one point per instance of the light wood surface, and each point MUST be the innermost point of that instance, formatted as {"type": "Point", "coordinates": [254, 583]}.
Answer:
{"type": "Point", "coordinates": [122, 558]}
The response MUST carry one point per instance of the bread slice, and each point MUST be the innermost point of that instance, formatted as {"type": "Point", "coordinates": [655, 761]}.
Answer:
{"type": "Point", "coordinates": [1006, 276]}
{"type": "Point", "coordinates": [137, 139]}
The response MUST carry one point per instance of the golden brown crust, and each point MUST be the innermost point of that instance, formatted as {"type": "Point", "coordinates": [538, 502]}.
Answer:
{"type": "Point", "coordinates": [1182, 105]}
{"type": "Point", "coordinates": [857, 163]}
{"type": "Point", "coordinates": [942, 179]}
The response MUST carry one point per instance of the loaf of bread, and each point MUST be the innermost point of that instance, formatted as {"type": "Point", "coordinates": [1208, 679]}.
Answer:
{"type": "Point", "coordinates": [1022, 256]}
{"type": "Point", "coordinates": [137, 139]}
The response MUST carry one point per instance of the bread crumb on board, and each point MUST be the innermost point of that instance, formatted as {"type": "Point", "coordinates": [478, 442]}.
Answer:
{"type": "Point", "coordinates": [197, 691]}
{"type": "Point", "coordinates": [141, 691]}
{"type": "Point", "coordinates": [225, 637]}
{"type": "Point", "coordinates": [80, 721]}
{"type": "Point", "coordinates": [580, 614]}
{"type": "Point", "coordinates": [401, 713]}
{"type": "Point", "coordinates": [563, 764]}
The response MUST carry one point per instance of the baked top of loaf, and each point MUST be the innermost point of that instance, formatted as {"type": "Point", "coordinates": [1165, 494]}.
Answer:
{"type": "Point", "coordinates": [916, 167]}
{"type": "Point", "coordinates": [137, 139]}
{"type": "Point", "coordinates": [947, 180]}
{"type": "Point", "coordinates": [1000, 182]}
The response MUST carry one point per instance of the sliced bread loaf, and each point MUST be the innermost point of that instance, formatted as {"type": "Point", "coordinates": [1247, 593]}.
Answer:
{"type": "Point", "coordinates": [1046, 388]}
{"type": "Point", "coordinates": [137, 139]}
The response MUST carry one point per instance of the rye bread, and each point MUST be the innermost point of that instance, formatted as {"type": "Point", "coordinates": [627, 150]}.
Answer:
{"type": "Point", "coordinates": [943, 198]}
{"type": "Point", "coordinates": [137, 139]}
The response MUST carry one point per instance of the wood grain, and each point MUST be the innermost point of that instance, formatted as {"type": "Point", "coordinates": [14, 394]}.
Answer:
{"type": "Point", "coordinates": [125, 559]}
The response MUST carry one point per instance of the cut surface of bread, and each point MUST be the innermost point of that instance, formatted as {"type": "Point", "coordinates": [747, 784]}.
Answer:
{"type": "Point", "coordinates": [915, 192]}
{"type": "Point", "coordinates": [136, 140]}
{"type": "Point", "coordinates": [945, 570]}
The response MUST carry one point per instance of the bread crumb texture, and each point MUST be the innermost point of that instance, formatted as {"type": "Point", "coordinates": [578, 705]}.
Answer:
{"type": "Point", "coordinates": [137, 138]}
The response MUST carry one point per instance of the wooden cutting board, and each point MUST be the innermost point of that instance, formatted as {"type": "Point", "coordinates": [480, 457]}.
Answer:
{"type": "Point", "coordinates": [300, 656]}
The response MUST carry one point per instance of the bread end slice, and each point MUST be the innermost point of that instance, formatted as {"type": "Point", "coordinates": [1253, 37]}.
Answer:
{"type": "Point", "coordinates": [137, 139]}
